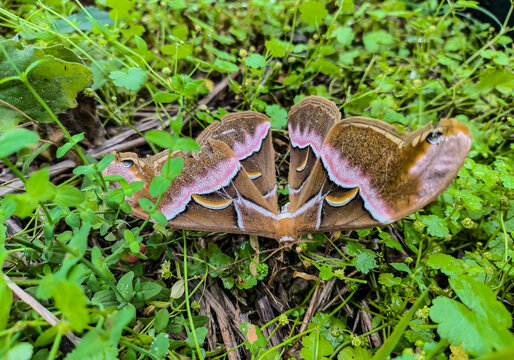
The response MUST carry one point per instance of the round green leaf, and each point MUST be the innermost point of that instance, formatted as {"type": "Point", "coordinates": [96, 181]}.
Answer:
{"type": "Point", "coordinates": [159, 185]}
{"type": "Point", "coordinates": [68, 195]}
{"type": "Point", "coordinates": [160, 138]}
{"type": "Point", "coordinates": [15, 139]}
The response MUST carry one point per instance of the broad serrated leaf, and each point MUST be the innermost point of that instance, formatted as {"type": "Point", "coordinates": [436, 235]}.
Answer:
{"type": "Point", "coordinates": [388, 279]}
{"type": "Point", "coordinates": [313, 13]}
{"type": "Point", "coordinates": [373, 39]}
{"type": "Point", "coordinates": [364, 259]}
{"type": "Point", "coordinates": [326, 272]}
{"type": "Point", "coordinates": [278, 116]}
{"type": "Point", "coordinates": [348, 6]}
{"type": "Point", "coordinates": [508, 181]}
{"type": "Point", "coordinates": [325, 67]}
{"type": "Point", "coordinates": [435, 226]}
{"type": "Point", "coordinates": [480, 323]}
{"type": "Point", "coordinates": [501, 79]}
{"type": "Point", "coordinates": [132, 79]}
{"type": "Point", "coordinates": [120, 8]}
{"type": "Point", "coordinates": [344, 35]}
{"type": "Point", "coordinates": [354, 353]}
{"type": "Point", "coordinates": [219, 260]}
{"type": "Point", "coordinates": [276, 47]}
{"type": "Point", "coordinates": [255, 61]}
{"type": "Point", "coordinates": [316, 347]}
{"type": "Point", "coordinates": [446, 263]}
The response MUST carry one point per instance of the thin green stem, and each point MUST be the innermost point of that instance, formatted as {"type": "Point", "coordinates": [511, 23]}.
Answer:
{"type": "Point", "coordinates": [55, 346]}
{"type": "Point", "coordinates": [188, 307]}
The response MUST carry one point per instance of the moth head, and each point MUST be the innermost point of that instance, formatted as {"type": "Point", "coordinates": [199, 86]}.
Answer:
{"type": "Point", "coordinates": [131, 167]}
{"type": "Point", "coordinates": [442, 134]}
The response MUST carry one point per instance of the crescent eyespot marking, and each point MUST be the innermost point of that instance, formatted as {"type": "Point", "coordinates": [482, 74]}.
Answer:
{"type": "Point", "coordinates": [254, 175]}
{"type": "Point", "coordinates": [302, 166]}
{"type": "Point", "coordinates": [342, 173]}
{"type": "Point", "coordinates": [211, 204]}
{"type": "Point", "coordinates": [338, 201]}
{"type": "Point", "coordinates": [221, 175]}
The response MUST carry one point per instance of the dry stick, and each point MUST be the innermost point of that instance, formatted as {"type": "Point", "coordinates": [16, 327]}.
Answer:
{"type": "Point", "coordinates": [313, 305]}
{"type": "Point", "coordinates": [325, 293]}
{"type": "Point", "coordinates": [223, 323]}
{"type": "Point", "coordinates": [211, 339]}
{"type": "Point", "coordinates": [57, 169]}
{"type": "Point", "coordinates": [40, 309]}
{"type": "Point", "coordinates": [229, 308]}
{"type": "Point", "coordinates": [266, 314]}
{"type": "Point", "coordinates": [339, 296]}
{"type": "Point", "coordinates": [374, 338]}
{"type": "Point", "coordinates": [116, 143]}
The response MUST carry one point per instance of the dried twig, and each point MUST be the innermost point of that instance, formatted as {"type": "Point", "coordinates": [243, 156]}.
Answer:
{"type": "Point", "coordinates": [56, 169]}
{"type": "Point", "coordinates": [40, 309]}
{"type": "Point", "coordinates": [223, 323]}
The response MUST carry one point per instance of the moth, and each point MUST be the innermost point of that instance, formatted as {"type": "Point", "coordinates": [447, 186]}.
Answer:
{"type": "Point", "coordinates": [344, 174]}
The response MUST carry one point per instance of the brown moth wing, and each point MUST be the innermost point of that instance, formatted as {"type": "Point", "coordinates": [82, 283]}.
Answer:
{"type": "Point", "coordinates": [368, 174]}
{"type": "Point", "coordinates": [248, 134]}
{"type": "Point", "coordinates": [212, 193]}
{"type": "Point", "coordinates": [308, 122]}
